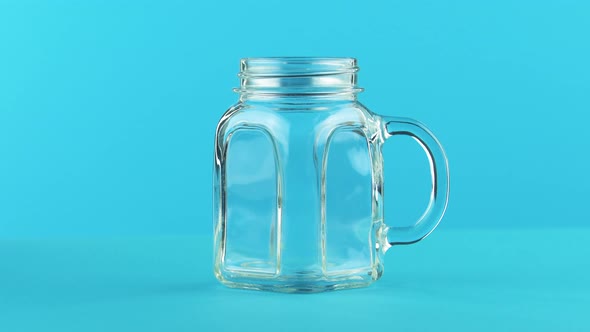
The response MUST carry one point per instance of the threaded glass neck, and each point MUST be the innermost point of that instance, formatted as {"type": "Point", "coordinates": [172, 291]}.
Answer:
{"type": "Point", "coordinates": [298, 77]}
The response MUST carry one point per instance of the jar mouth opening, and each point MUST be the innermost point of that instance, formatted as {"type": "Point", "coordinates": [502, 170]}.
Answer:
{"type": "Point", "coordinates": [296, 66]}
{"type": "Point", "coordinates": [298, 76]}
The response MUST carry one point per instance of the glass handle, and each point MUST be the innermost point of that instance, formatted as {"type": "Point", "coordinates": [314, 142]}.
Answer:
{"type": "Point", "coordinates": [439, 170]}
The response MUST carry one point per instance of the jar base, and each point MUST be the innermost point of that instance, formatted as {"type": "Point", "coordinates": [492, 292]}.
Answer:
{"type": "Point", "coordinates": [298, 284]}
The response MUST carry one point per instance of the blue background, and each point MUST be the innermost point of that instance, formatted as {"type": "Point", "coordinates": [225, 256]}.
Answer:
{"type": "Point", "coordinates": [107, 117]}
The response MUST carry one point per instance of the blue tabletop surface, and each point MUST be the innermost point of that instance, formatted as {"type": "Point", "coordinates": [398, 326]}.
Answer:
{"type": "Point", "coordinates": [456, 280]}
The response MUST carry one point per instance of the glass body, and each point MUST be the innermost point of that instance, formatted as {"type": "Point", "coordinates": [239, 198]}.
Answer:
{"type": "Point", "coordinates": [298, 180]}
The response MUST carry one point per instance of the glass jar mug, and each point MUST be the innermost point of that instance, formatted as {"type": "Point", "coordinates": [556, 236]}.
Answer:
{"type": "Point", "coordinates": [298, 180]}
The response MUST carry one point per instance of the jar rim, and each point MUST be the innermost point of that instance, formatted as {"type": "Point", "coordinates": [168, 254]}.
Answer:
{"type": "Point", "coordinates": [298, 76]}
{"type": "Point", "coordinates": [300, 58]}
{"type": "Point", "coordinates": [281, 66]}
